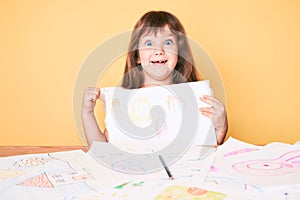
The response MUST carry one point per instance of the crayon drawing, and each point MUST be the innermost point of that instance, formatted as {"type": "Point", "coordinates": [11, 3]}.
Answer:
{"type": "Point", "coordinates": [239, 151]}
{"type": "Point", "coordinates": [33, 176]}
{"type": "Point", "coordinates": [176, 192]}
{"type": "Point", "coordinates": [288, 162]}
{"type": "Point", "coordinates": [273, 164]}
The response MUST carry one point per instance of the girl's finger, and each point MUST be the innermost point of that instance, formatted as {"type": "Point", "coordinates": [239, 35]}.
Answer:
{"type": "Point", "coordinates": [207, 114]}
{"type": "Point", "coordinates": [92, 93]}
{"type": "Point", "coordinates": [207, 111]}
{"type": "Point", "coordinates": [91, 96]}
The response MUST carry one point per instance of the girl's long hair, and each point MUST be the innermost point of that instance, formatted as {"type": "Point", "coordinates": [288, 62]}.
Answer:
{"type": "Point", "coordinates": [152, 22]}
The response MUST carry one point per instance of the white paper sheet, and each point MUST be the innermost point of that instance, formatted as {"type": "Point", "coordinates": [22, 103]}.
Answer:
{"type": "Point", "coordinates": [190, 167]}
{"type": "Point", "coordinates": [61, 175]}
{"type": "Point", "coordinates": [274, 164]}
{"type": "Point", "coordinates": [147, 120]}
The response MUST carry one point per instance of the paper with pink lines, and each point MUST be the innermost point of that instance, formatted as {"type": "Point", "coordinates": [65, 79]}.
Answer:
{"type": "Point", "coordinates": [273, 165]}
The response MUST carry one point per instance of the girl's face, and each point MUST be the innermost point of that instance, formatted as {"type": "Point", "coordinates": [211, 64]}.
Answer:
{"type": "Point", "coordinates": [158, 55]}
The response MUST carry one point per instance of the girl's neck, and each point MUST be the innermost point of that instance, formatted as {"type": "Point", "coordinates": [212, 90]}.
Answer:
{"type": "Point", "coordinates": [152, 83]}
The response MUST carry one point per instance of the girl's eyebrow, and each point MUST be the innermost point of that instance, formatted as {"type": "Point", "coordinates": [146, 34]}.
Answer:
{"type": "Point", "coordinates": [145, 37]}
{"type": "Point", "coordinates": [150, 36]}
{"type": "Point", "coordinates": [171, 35]}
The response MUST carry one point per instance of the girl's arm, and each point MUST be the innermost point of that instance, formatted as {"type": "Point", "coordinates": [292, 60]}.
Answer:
{"type": "Point", "coordinates": [90, 125]}
{"type": "Point", "coordinates": [217, 112]}
{"type": "Point", "coordinates": [221, 131]}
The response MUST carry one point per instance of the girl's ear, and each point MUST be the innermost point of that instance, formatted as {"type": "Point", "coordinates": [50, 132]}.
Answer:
{"type": "Point", "coordinates": [138, 61]}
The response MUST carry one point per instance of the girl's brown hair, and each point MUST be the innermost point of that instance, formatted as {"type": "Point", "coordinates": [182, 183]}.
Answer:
{"type": "Point", "coordinates": [153, 21]}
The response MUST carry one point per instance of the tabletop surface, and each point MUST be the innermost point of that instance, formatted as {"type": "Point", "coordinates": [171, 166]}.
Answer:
{"type": "Point", "coordinates": [20, 150]}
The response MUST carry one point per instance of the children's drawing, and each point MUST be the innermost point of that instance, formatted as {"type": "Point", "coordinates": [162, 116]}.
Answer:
{"type": "Point", "coordinates": [288, 162]}
{"type": "Point", "coordinates": [216, 177]}
{"type": "Point", "coordinates": [139, 111]}
{"type": "Point", "coordinates": [38, 181]}
{"type": "Point", "coordinates": [155, 121]}
{"type": "Point", "coordinates": [126, 191]}
{"type": "Point", "coordinates": [9, 173]}
{"type": "Point", "coordinates": [44, 175]}
{"type": "Point", "coordinates": [30, 162]}
{"type": "Point", "coordinates": [272, 165]}
{"type": "Point", "coordinates": [69, 177]}
{"type": "Point", "coordinates": [175, 103]}
{"type": "Point", "coordinates": [239, 151]}
{"type": "Point", "coordinates": [176, 192]}
{"type": "Point", "coordinates": [116, 106]}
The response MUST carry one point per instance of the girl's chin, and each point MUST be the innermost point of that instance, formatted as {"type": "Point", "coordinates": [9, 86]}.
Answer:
{"type": "Point", "coordinates": [159, 73]}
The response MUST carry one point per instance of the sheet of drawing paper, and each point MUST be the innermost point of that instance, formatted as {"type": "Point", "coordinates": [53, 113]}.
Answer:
{"type": "Point", "coordinates": [177, 192]}
{"type": "Point", "coordinates": [232, 147]}
{"type": "Point", "coordinates": [289, 192]}
{"type": "Point", "coordinates": [102, 176]}
{"type": "Point", "coordinates": [191, 167]}
{"type": "Point", "coordinates": [274, 164]}
{"type": "Point", "coordinates": [149, 119]}
{"type": "Point", "coordinates": [219, 181]}
{"type": "Point", "coordinates": [152, 192]}
{"type": "Point", "coordinates": [27, 177]}
{"type": "Point", "coordinates": [218, 178]}
{"type": "Point", "coordinates": [237, 193]}
{"type": "Point", "coordinates": [62, 175]}
{"type": "Point", "coordinates": [130, 191]}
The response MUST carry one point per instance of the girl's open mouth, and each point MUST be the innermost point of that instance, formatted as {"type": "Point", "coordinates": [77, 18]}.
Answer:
{"type": "Point", "coordinates": [159, 61]}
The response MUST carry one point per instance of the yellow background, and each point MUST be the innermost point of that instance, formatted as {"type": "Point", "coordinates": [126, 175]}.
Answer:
{"type": "Point", "coordinates": [254, 44]}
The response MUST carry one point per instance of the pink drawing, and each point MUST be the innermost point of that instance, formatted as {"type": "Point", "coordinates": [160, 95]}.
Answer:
{"type": "Point", "coordinates": [213, 169]}
{"type": "Point", "coordinates": [38, 181]}
{"type": "Point", "coordinates": [30, 162]}
{"type": "Point", "coordinates": [69, 177]}
{"type": "Point", "coordinates": [287, 163]}
{"type": "Point", "coordinates": [239, 151]}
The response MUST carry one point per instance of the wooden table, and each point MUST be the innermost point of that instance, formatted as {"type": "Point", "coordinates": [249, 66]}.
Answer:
{"type": "Point", "coordinates": [19, 150]}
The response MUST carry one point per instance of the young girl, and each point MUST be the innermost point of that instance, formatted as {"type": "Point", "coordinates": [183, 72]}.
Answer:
{"type": "Point", "coordinates": [158, 54]}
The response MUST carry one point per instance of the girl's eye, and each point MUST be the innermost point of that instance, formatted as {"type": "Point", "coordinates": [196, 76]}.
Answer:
{"type": "Point", "coordinates": [168, 42]}
{"type": "Point", "coordinates": [148, 43]}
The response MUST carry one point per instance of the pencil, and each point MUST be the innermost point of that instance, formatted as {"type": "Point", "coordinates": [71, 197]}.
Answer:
{"type": "Point", "coordinates": [166, 167]}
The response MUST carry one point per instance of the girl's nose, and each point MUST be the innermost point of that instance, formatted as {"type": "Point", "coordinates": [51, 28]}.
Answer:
{"type": "Point", "coordinates": [158, 51]}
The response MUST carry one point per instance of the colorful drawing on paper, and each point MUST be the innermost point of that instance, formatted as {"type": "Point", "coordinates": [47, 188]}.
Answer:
{"type": "Point", "coordinates": [229, 182]}
{"type": "Point", "coordinates": [139, 111]}
{"type": "Point", "coordinates": [9, 173]}
{"type": "Point", "coordinates": [69, 177]}
{"type": "Point", "coordinates": [38, 181]}
{"type": "Point", "coordinates": [185, 168]}
{"type": "Point", "coordinates": [287, 163]}
{"type": "Point", "coordinates": [127, 191]}
{"type": "Point", "coordinates": [176, 104]}
{"type": "Point", "coordinates": [55, 177]}
{"type": "Point", "coordinates": [218, 178]}
{"type": "Point", "coordinates": [137, 118]}
{"type": "Point", "coordinates": [131, 183]}
{"type": "Point", "coordinates": [30, 162]}
{"type": "Point", "coordinates": [240, 151]}
{"type": "Point", "coordinates": [189, 193]}
{"type": "Point", "coordinates": [48, 180]}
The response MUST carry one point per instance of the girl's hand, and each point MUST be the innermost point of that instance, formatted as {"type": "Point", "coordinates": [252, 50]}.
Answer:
{"type": "Point", "coordinates": [91, 95]}
{"type": "Point", "coordinates": [217, 113]}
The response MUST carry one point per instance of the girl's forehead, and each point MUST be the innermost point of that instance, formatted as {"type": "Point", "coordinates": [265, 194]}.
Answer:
{"type": "Point", "coordinates": [157, 32]}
